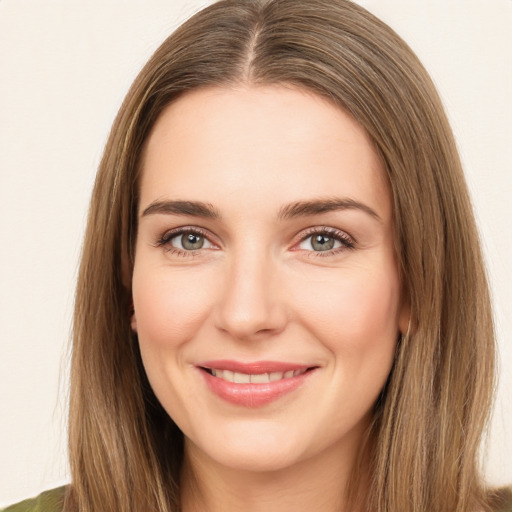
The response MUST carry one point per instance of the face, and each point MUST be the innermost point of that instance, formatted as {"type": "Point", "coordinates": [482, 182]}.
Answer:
{"type": "Point", "coordinates": [265, 287]}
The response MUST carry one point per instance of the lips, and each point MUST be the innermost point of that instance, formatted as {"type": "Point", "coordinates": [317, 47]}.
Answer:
{"type": "Point", "coordinates": [253, 384]}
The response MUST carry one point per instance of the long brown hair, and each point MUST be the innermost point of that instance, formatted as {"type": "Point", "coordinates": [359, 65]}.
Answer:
{"type": "Point", "coordinates": [125, 451]}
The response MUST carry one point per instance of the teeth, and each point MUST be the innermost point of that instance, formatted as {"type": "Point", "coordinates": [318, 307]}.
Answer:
{"type": "Point", "coordinates": [241, 378]}
{"type": "Point", "coordinates": [261, 378]}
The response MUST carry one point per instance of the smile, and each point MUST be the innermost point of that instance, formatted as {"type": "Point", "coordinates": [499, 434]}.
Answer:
{"type": "Point", "coordinates": [259, 378]}
{"type": "Point", "coordinates": [253, 384]}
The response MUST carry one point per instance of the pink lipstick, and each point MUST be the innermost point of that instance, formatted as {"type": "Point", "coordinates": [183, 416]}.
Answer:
{"type": "Point", "coordinates": [253, 384]}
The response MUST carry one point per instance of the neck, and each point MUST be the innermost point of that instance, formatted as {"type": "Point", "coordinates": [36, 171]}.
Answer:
{"type": "Point", "coordinates": [317, 483]}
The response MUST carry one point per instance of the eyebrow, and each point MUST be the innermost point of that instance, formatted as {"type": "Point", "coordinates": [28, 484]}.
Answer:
{"type": "Point", "coordinates": [315, 207]}
{"type": "Point", "coordinates": [192, 208]}
{"type": "Point", "coordinates": [287, 212]}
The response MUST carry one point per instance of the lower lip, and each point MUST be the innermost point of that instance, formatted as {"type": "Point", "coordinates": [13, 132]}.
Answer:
{"type": "Point", "coordinates": [254, 395]}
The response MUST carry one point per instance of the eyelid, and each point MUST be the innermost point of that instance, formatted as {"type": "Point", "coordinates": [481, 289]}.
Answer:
{"type": "Point", "coordinates": [164, 240]}
{"type": "Point", "coordinates": [347, 241]}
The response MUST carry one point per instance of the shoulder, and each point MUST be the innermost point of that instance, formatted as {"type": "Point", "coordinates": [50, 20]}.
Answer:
{"type": "Point", "coordinates": [500, 500]}
{"type": "Point", "coordinates": [49, 501]}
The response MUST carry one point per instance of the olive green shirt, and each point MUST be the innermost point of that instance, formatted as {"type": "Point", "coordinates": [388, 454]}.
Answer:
{"type": "Point", "coordinates": [49, 501]}
{"type": "Point", "coordinates": [52, 501]}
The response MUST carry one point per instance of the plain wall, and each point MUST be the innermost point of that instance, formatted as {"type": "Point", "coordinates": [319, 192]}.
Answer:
{"type": "Point", "coordinates": [64, 69]}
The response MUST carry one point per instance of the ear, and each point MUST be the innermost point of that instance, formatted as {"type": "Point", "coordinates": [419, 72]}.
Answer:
{"type": "Point", "coordinates": [133, 319]}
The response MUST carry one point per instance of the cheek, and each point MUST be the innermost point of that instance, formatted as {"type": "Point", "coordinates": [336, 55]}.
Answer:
{"type": "Point", "coordinates": [168, 309]}
{"type": "Point", "coordinates": [358, 311]}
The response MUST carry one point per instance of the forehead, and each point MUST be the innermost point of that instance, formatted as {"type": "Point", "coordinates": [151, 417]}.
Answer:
{"type": "Point", "coordinates": [278, 142]}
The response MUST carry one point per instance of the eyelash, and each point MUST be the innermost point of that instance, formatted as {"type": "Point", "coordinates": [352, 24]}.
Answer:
{"type": "Point", "coordinates": [164, 241]}
{"type": "Point", "coordinates": [346, 241]}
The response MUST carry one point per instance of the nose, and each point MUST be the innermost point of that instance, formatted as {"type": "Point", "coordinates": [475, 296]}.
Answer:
{"type": "Point", "coordinates": [251, 305]}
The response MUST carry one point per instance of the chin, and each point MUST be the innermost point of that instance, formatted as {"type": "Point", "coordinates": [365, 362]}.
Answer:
{"type": "Point", "coordinates": [256, 453]}
{"type": "Point", "coordinates": [257, 461]}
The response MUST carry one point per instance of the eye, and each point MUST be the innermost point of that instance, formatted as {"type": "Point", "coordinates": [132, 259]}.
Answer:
{"type": "Point", "coordinates": [189, 241]}
{"type": "Point", "coordinates": [320, 242]}
{"type": "Point", "coordinates": [326, 241]}
{"type": "Point", "coordinates": [185, 240]}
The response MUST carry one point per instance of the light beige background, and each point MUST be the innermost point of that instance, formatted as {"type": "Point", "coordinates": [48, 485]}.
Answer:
{"type": "Point", "coordinates": [65, 66]}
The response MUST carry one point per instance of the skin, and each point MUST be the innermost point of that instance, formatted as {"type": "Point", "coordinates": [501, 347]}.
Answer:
{"type": "Point", "coordinates": [259, 289]}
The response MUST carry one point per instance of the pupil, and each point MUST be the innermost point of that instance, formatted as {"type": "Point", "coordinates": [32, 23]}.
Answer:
{"type": "Point", "coordinates": [322, 243]}
{"type": "Point", "coordinates": [191, 241]}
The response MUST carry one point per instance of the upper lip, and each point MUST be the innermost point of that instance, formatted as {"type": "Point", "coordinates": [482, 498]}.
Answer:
{"type": "Point", "coordinates": [255, 367]}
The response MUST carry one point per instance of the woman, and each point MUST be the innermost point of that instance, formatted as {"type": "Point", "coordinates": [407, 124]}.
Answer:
{"type": "Point", "coordinates": [281, 302]}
